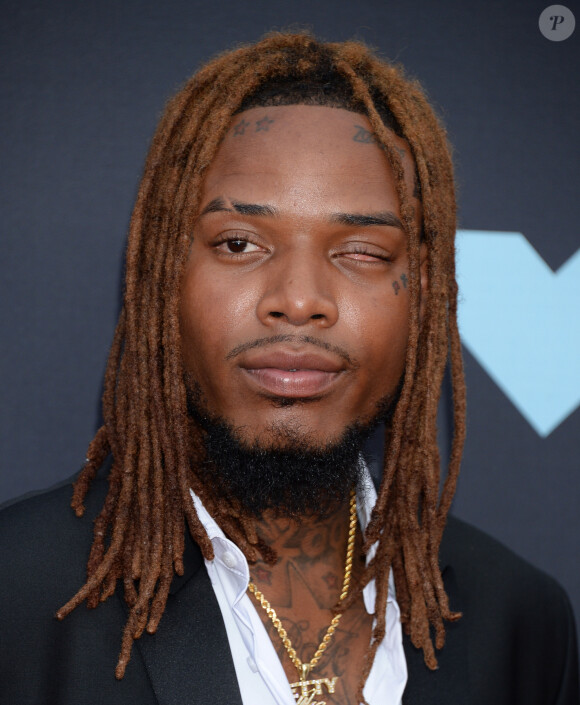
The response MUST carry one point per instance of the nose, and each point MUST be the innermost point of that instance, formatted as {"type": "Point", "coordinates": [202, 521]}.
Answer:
{"type": "Point", "coordinates": [299, 292]}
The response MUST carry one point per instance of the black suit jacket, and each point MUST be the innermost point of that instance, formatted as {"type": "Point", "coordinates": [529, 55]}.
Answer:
{"type": "Point", "coordinates": [515, 644]}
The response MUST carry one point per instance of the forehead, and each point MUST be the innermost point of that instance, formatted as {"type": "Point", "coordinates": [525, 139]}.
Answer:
{"type": "Point", "coordinates": [302, 154]}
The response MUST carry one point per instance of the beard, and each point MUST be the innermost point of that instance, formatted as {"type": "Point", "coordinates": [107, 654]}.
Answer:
{"type": "Point", "coordinates": [294, 476]}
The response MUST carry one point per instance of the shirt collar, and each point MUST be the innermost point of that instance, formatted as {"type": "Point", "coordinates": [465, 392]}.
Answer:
{"type": "Point", "coordinates": [366, 500]}
{"type": "Point", "coordinates": [230, 560]}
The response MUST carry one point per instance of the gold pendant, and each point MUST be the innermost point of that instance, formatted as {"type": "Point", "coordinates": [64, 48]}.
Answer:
{"type": "Point", "coordinates": [304, 691]}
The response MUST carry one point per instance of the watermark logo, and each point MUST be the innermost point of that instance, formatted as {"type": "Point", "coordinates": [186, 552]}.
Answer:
{"type": "Point", "coordinates": [557, 23]}
{"type": "Point", "coordinates": [520, 320]}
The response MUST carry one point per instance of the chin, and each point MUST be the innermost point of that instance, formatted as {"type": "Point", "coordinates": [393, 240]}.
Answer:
{"type": "Point", "coordinates": [287, 468]}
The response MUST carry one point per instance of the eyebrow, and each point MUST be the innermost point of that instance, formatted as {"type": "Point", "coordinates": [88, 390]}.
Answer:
{"type": "Point", "coordinates": [361, 220]}
{"type": "Point", "coordinates": [364, 220]}
{"type": "Point", "coordinates": [218, 204]}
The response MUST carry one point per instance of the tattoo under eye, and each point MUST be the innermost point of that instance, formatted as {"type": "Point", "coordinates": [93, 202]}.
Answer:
{"type": "Point", "coordinates": [397, 287]}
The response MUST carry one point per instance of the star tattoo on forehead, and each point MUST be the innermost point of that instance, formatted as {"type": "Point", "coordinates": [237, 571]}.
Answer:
{"type": "Point", "coordinates": [240, 128]}
{"type": "Point", "coordinates": [263, 125]}
{"type": "Point", "coordinates": [363, 135]}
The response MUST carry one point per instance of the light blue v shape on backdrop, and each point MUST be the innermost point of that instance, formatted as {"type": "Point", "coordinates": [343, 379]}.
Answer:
{"type": "Point", "coordinates": [521, 321]}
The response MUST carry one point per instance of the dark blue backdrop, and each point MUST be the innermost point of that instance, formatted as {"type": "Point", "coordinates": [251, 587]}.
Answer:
{"type": "Point", "coordinates": [83, 85]}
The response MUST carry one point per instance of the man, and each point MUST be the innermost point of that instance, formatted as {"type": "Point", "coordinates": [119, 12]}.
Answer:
{"type": "Point", "coordinates": [290, 285]}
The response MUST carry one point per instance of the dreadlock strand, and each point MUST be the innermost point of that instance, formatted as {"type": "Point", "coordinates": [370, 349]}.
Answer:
{"type": "Point", "coordinates": [458, 390]}
{"type": "Point", "coordinates": [166, 574]}
{"type": "Point", "coordinates": [160, 537]}
{"type": "Point", "coordinates": [401, 412]}
{"type": "Point", "coordinates": [176, 408]}
{"type": "Point", "coordinates": [109, 400]}
{"type": "Point", "coordinates": [403, 594]}
{"type": "Point", "coordinates": [150, 533]}
{"type": "Point", "coordinates": [96, 454]}
{"type": "Point", "coordinates": [95, 578]}
{"type": "Point", "coordinates": [394, 448]}
{"type": "Point", "coordinates": [132, 564]}
{"type": "Point", "coordinates": [418, 625]}
{"type": "Point", "coordinates": [100, 531]}
{"type": "Point", "coordinates": [378, 633]}
{"type": "Point", "coordinates": [109, 582]}
{"type": "Point", "coordinates": [126, 644]}
{"type": "Point", "coordinates": [150, 460]}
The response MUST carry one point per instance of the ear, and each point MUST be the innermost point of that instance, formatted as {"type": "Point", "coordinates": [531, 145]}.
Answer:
{"type": "Point", "coordinates": [424, 274]}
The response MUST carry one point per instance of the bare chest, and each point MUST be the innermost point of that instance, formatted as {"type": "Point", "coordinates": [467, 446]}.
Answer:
{"type": "Point", "coordinates": [336, 677]}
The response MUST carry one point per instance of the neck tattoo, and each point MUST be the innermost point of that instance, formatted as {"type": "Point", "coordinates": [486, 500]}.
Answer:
{"type": "Point", "coordinates": [305, 690]}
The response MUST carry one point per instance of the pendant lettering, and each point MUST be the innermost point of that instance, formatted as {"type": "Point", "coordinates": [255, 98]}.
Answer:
{"type": "Point", "coordinates": [305, 691]}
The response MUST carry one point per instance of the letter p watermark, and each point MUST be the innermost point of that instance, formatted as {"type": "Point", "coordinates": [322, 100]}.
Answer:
{"type": "Point", "coordinates": [557, 23]}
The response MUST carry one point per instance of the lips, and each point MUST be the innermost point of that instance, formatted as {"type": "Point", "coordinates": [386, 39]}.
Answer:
{"type": "Point", "coordinates": [291, 374]}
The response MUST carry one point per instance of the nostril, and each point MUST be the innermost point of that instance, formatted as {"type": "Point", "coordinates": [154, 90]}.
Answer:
{"type": "Point", "coordinates": [317, 315]}
{"type": "Point", "coordinates": [276, 314]}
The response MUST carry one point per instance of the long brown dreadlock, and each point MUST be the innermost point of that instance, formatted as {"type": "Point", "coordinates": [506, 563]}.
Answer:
{"type": "Point", "coordinates": [139, 533]}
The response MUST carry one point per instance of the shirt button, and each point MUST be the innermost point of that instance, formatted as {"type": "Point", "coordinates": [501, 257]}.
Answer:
{"type": "Point", "coordinates": [229, 560]}
{"type": "Point", "coordinates": [252, 664]}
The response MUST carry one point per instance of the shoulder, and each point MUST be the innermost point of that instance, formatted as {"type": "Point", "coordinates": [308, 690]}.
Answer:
{"type": "Point", "coordinates": [34, 508]}
{"type": "Point", "coordinates": [483, 565]}
{"type": "Point", "coordinates": [44, 549]}
{"type": "Point", "coordinates": [517, 621]}
{"type": "Point", "coordinates": [44, 546]}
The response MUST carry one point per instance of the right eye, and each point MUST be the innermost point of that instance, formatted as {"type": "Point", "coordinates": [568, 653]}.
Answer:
{"type": "Point", "coordinates": [238, 245]}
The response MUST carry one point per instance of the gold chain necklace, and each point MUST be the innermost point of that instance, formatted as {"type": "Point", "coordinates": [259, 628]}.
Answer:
{"type": "Point", "coordinates": [304, 690]}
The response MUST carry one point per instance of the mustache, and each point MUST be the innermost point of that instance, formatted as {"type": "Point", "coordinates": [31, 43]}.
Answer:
{"type": "Point", "coordinates": [287, 338]}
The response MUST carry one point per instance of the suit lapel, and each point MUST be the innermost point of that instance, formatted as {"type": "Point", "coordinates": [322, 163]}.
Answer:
{"type": "Point", "coordinates": [189, 659]}
{"type": "Point", "coordinates": [449, 684]}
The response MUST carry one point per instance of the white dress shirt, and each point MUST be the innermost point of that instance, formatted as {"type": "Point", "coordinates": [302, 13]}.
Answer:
{"type": "Point", "coordinates": [260, 674]}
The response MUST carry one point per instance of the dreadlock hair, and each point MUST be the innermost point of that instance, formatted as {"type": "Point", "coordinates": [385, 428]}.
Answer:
{"type": "Point", "coordinates": [139, 533]}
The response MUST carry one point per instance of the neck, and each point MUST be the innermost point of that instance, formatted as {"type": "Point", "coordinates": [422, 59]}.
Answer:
{"type": "Point", "coordinates": [302, 588]}
{"type": "Point", "coordinates": [311, 558]}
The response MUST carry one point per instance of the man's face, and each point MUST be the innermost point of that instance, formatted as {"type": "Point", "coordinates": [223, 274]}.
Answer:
{"type": "Point", "coordinates": [294, 306]}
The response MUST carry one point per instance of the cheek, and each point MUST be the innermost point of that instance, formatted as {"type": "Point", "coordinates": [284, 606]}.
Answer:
{"type": "Point", "coordinates": [213, 312]}
{"type": "Point", "coordinates": [382, 331]}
